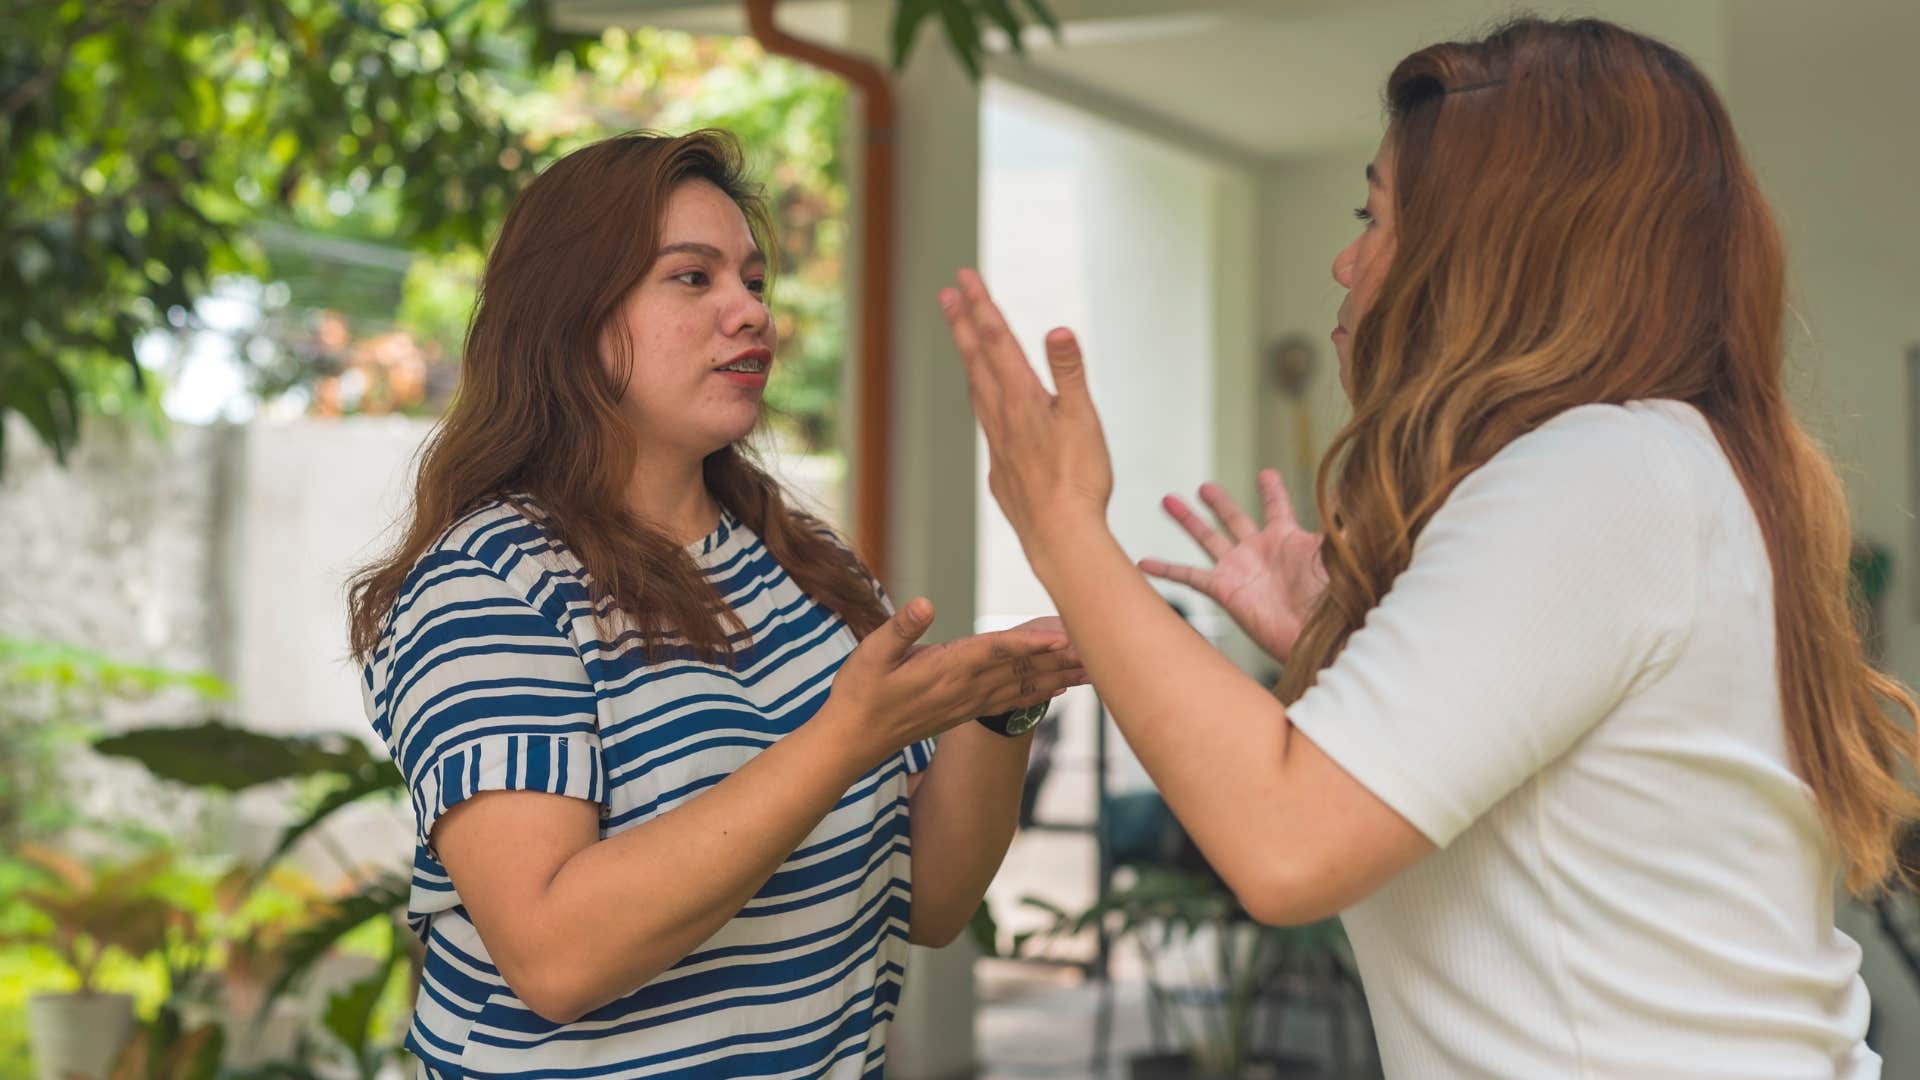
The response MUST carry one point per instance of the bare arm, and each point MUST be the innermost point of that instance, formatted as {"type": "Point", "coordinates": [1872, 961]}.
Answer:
{"type": "Point", "coordinates": [532, 871]}
{"type": "Point", "coordinates": [1294, 835]}
{"type": "Point", "coordinates": [965, 807]}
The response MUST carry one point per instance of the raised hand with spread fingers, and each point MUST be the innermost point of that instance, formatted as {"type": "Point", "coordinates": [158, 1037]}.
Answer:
{"type": "Point", "coordinates": [1267, 577]}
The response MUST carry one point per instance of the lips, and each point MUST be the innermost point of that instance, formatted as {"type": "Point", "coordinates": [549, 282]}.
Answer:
{"type": "Point", "coordinates": [750, 362]}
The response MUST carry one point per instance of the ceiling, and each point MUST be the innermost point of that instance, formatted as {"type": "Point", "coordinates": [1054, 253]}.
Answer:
{"type": "Point", "coordinates": [1254, 80]}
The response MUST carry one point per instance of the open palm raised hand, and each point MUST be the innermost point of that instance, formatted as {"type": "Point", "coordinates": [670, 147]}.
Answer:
{"type": "Point", "coordinates": [1267, 577]}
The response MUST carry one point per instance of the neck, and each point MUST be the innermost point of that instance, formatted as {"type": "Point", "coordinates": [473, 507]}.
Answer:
{"type": "Point", "coordinates": [673, 497]}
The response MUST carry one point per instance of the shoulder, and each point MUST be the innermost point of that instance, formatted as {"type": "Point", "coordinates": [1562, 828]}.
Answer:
{"type": "Point", "coordinates": [1613, 492]}
{"type": "Point", "coordinates": [500, 550]}
{"type": "Point", "coordinates": [1638, 465]}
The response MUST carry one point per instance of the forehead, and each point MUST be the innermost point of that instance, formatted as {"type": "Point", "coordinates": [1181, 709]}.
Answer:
{"type": "Point", "coordinates": [698, 211]}
{"type": "Point", "coordinates": [1380, 169]}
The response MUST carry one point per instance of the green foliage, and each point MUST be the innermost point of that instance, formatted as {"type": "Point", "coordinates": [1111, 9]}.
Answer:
{"type": "Point", "coordinates": [213, 754]}
{"type": "Point", "coordinates": [89, 911]}
{"type": "Point", "coordinates": [1165, 910]}
{"type": "Point", "coordinates": [964, 21]}
{"type": "Point", "coordinates": [139, 139]}
{"type": "Point", "coordinates": [384, 898]}
{"type": "Point", "coordinates": [149, 147]}
{"type": "Point", "coordinates": [164, 1048]}
{"type": "Point", "coordinates": [51, 697]}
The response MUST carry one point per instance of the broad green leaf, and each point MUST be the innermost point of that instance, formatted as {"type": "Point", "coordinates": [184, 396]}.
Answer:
{"type": "Point", "coordinates": [214, 754]}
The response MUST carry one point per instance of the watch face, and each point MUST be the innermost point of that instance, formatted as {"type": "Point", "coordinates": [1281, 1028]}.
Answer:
{"type": "Point", "coordinates": [1025, 719]}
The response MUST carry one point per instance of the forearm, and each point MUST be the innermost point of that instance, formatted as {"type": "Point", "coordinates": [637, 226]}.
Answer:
{"type": "Point", "coordinates": [655, 892]}
{"type": "Point", "coordinates": [962, 819]}
{"type": "Point", "coordinates": [1213, 740]}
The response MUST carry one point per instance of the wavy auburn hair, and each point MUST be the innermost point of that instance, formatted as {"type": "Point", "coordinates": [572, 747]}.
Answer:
{"type": "Point", "coordinates": [536, 417]}
{"type": "Point", "coordinates": [1576, 224]}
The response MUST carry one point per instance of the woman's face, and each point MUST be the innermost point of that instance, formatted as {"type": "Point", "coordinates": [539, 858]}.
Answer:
{"type": "Point", "coordinates": [701, 334]}
{"type": "Point", "coordinates": [1363, 264]}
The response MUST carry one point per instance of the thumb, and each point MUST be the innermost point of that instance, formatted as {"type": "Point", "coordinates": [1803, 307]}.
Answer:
{"type": "Point", "coordinates": [1069, 372]}
{"type": "Point", "coordinates": [907, 626]}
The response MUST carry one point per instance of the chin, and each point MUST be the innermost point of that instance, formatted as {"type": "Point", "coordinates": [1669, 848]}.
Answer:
{"type": "Point", "coordinates": [732, 435]}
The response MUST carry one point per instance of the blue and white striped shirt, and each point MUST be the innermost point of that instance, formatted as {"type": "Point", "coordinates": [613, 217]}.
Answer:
{"type": "Point", "coordinates": [492, 676]}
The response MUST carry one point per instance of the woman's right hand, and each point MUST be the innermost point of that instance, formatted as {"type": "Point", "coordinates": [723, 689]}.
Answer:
{"type": "Point", "coordinates": [1268, 577]}
{"type": "Point", "coordinates": [892, 691]}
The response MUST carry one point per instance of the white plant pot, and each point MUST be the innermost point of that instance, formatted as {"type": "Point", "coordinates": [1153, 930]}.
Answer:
{"type": "Point", "coordinates": [252, 1042]}
{"type": "Point", "coordinates": [77, 1034]}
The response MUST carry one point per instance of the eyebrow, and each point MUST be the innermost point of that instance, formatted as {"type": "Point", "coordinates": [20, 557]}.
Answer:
{"type": "Point", "coordinates": [1373, 177]}
{"type": "Point", "coordinates": [707, 251]}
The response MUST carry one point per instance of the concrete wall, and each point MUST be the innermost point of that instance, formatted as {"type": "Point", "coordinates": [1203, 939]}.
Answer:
{"type": "Point", "coordinates": [118, 551]}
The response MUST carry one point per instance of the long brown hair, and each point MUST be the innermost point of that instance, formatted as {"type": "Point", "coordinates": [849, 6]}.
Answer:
{"type": "Point", "coordinates": [536, 417]}
{"type": "Point", "coordinates": [1576, 224]}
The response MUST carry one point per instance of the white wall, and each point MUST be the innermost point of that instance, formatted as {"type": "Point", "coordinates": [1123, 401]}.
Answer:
{"type": "Point", "coordinates": [315, 499]}
{"type": "Point", "coordinates": [1087, 225]}
{"type": "Point", "coordinates": [1823, 97]}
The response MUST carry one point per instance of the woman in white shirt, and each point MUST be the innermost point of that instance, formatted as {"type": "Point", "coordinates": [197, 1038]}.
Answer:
{"type": "Point", "coordinates": [1575, 728]}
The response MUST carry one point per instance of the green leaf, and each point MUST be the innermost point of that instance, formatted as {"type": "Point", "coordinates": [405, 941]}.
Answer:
{"type": "Point", "coordinates": [213, 754]}
{"type": "Point", "coordinates": [370, 780]}
{"type": "Point", "coordinates": [963, 33]}
{"type": "Point", "coordinates": [383, 898]}
{"type": "Point", "coordinates": [906, 24]}
{"type": "Point", "coordinates": [349, 1014]}
{"type": "Point", "coordinates": [986, 933]}
{"type": "Point", "coordinates": [1002, 13]}
{"type": "Point", "coordinates": [1046, 17]}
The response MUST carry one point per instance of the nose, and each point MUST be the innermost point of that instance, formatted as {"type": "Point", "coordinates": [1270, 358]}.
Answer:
{"type": "Point", "coordinates": [743, 311]}
{"type": "Point", "coordinates": [1343, 264]}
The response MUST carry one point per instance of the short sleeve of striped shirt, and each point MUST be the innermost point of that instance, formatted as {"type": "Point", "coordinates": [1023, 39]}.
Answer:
{"type": "Point", "coordinates": [485, 693]}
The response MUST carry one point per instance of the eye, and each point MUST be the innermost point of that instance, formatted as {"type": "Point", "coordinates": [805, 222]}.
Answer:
{"type": "Point", "coordinates": [757, 286]}
{"type": "Point", "coordinates": [695, 278]}
{"type": "Point", "coordinates": [1363, 214]}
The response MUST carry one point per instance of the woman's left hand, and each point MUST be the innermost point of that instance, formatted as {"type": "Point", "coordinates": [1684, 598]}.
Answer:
{"type": "Point", "coordinates": [1047, 458]}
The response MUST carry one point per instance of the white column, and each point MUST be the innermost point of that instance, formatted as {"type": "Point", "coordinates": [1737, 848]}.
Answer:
{"type": "Point", "coordinates": [936, 231]}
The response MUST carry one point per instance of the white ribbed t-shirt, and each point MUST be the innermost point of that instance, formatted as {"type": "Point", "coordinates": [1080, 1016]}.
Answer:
{"type": "Point", "coordinates": [1571, 691]}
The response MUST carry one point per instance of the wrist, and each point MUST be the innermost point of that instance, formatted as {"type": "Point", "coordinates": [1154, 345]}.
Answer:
{"type": "Point", "coordinates": [1055, 544]}
{"type": "Point", "coordinates": [847, 733]}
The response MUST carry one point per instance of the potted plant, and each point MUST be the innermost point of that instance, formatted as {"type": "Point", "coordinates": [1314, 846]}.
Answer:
{"type": "Point", "coordinates": [1217, 982]}
{"type": "Point", "coordinates": [87, 914]}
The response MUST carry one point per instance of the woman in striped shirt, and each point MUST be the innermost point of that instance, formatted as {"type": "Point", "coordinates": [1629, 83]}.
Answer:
{"type": "Point", "coordinates": [668, 750]}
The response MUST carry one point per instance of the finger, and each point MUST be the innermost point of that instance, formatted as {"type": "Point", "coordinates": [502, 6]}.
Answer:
{"type": "Point", "coordinates": [983, 386]}
{"type": "Point", "coordinates": [1042, 691]}
{"type": "Point", "coordinates": [1235, 520]}
{"type": "Point", "coordinates": [1275, 502]}
{"type": "Point", "coordinates": [1211, 542]}
{"type": "Point", "coordinates": [1021, 665]}
{"type": "Point", "coordinates": [1191, 576]}
{"type": "Point", "coordinates": [1045, 622]}
{"type": "Point", "coordinates": [1069, 371]}
{"type": "Point", "coordinates": [897, 637]}
{"type": "Point", "coordinates": [994, 341]}
{"type": "Point", "coordinates": [1006, 644]}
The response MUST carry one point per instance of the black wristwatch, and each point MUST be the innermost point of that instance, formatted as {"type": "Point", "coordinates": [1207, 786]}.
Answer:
{"type": "Point", "coordinates": [1016, 723]}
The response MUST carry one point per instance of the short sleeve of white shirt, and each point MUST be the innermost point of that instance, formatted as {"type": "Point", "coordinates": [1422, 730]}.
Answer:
{"type": "Point", "coordinates": [1553, 577]}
